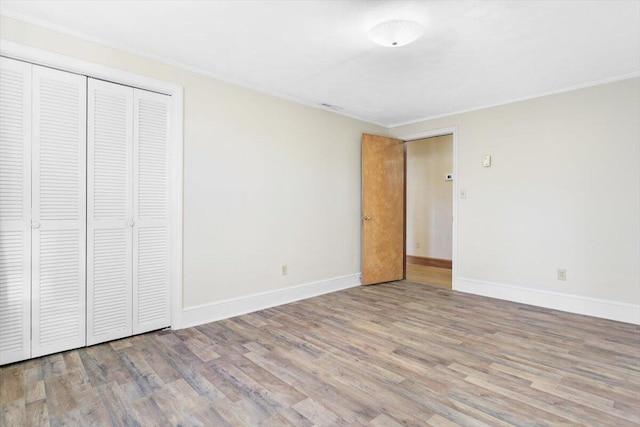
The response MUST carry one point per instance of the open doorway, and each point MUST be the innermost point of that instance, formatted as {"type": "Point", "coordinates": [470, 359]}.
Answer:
{"type": "Point", "coordinates": [384, 248]}
{"type": "Point", "coordinates": [429, 210]}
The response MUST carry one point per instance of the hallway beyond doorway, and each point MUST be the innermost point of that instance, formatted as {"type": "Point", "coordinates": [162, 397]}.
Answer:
{"type": "Point", "coordinates": [427, 275]}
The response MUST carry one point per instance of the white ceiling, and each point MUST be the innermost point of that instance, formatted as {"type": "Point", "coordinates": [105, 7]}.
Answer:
{"type": "Point", "coordinates": [473, 54]}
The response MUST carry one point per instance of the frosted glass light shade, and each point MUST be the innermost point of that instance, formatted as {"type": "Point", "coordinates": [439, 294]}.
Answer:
{"type": "Point", "coordinates": [396, 33]}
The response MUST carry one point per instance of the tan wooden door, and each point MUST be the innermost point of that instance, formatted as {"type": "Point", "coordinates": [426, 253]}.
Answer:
{"type": "Point", "coordinates": [382, 209]}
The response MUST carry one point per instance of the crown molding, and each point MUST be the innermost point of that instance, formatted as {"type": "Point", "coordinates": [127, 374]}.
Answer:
{"type": "Point", "coordinates": [523, 98]}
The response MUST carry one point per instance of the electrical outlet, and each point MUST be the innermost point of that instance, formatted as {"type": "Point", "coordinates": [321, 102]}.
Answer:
{"type": "Point", "coordinates": [562, 274]}
{"type": "Point", "coordinates": [463, 193]}
{"type": "Point", "coordinates": [285, 270]}
{"type": "Point", "coordinates": [418, 245]}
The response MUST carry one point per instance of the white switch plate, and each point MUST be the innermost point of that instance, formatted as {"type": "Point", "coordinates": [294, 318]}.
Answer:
{"type": "Point", "coordinates": [463, 193]}
{"type": "Point", "coordinates": [486, 161]}
{"type": "Point", "coordinates": [285, 270]}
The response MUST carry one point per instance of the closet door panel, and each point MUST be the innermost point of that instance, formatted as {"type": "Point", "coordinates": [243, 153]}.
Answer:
{"type": "Point", "coordinates": [109, 211]}
{"type": "Point", "coordinates": [15, 210]}
{"type": "Point", "coordinates": [151, 233]}
{"type": "Point", "coordinates": [59, 211]}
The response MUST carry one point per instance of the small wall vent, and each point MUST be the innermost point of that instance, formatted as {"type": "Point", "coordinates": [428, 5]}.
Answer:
{"type": "Point", "coordinates": [332, 107]}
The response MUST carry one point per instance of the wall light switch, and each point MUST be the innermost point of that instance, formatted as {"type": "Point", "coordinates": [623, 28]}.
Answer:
{"type": "Point", "coordinates": [463, 193]}
{"type": "Point", "coordinates": [486, 161]}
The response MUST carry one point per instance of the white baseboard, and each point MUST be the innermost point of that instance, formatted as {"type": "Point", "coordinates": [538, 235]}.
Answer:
{"type": "Point", "coordinates": [198, 315]}
{"type": "Point", "coordinates": [613, 310]}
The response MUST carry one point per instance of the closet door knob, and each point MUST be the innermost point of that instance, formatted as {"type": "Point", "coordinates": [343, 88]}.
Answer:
{"type": "Point", "coordinates": [130, 223]}
{"type": "Point", "coordinates": [35, 224]}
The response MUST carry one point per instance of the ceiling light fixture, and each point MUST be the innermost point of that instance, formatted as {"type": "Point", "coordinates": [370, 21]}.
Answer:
{"type": "Point", "coordinates": [396, 33]}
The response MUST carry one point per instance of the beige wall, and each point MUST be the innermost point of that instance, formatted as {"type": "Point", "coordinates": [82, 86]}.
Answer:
{"type": "Point", "coordinates": [429, 197]}
{"type": "Point", "coordinates": [266, 181]}
{"type": "Point", "coordinates": [563, 192]}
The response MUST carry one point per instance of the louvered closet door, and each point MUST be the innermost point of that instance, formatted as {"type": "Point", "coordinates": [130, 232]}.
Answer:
{"type": "Point", "coordinates": [151, 231]}
{"type": "Point", "coordinates": [109, 211]}
{"type": "Point", "coordinates": [15, 210]}
{"type": "Point", "coordinates": [59, 211]}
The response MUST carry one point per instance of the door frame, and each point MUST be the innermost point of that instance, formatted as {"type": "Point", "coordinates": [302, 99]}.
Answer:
{"type": "Point", "coordinates": [453, 131]}
{"type": "Point", "coordinates": [45, 58]}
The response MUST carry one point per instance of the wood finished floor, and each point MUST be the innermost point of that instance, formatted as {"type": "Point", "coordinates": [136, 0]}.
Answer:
{"type": "Point", "coordinates": [385, 355]}
{"type": "Point", "coordinates": [427, 275]}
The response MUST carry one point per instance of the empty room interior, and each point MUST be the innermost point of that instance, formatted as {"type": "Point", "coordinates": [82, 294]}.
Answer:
{"type": "Point", "coordinates": [320, 213]}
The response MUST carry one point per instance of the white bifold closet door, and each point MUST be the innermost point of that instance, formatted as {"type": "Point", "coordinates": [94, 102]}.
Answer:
{"type": "Point", "coordinates": [127, 228]}
{"type": "Point", "coordinates": [15, 210]}
{"type": "Point", "coordinates": [151, 251]}
{"type": "Point", "coordinates": [109, 211]}
{"type": "Point", "coordinates": [58, 202]}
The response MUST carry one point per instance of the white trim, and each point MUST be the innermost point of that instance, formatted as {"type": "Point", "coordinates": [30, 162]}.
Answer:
{"type": "Point", "coordinates": [454, 236]}
{"type": "Point", "coordinates": [66, 63]}
{"type": "Point", "coordinates": [198, 315]}
{"type": "Point", "coordinates": [90, 69]}
{"type": "Point", "coordinates": [606, 309]}
{"type": "Point", "coordinates": [176, 165]}
{"type": "Point", "coordinates": [181, 65]}
{"type": "Point", "coordinates": [520, 99]}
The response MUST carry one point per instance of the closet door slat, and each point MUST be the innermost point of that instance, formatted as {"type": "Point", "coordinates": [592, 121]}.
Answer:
{"type": "Point", "coordinates": [151, 231]}
{"type": "Point", "coordinates": [15, 210]}
{"type": "Point", "coordinates": [109, 211]}
{"type": "Point", "coordinates": [59, 211]}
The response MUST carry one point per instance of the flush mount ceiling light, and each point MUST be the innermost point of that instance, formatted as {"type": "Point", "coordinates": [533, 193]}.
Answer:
{"type": "Point", "coordinates": [396, 33]}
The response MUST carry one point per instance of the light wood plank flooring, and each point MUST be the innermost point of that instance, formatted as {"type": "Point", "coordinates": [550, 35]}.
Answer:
{"type": "Point", "coordinates": [427, 275]}
{"type": "Point", "coordinates": [385, 355]}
